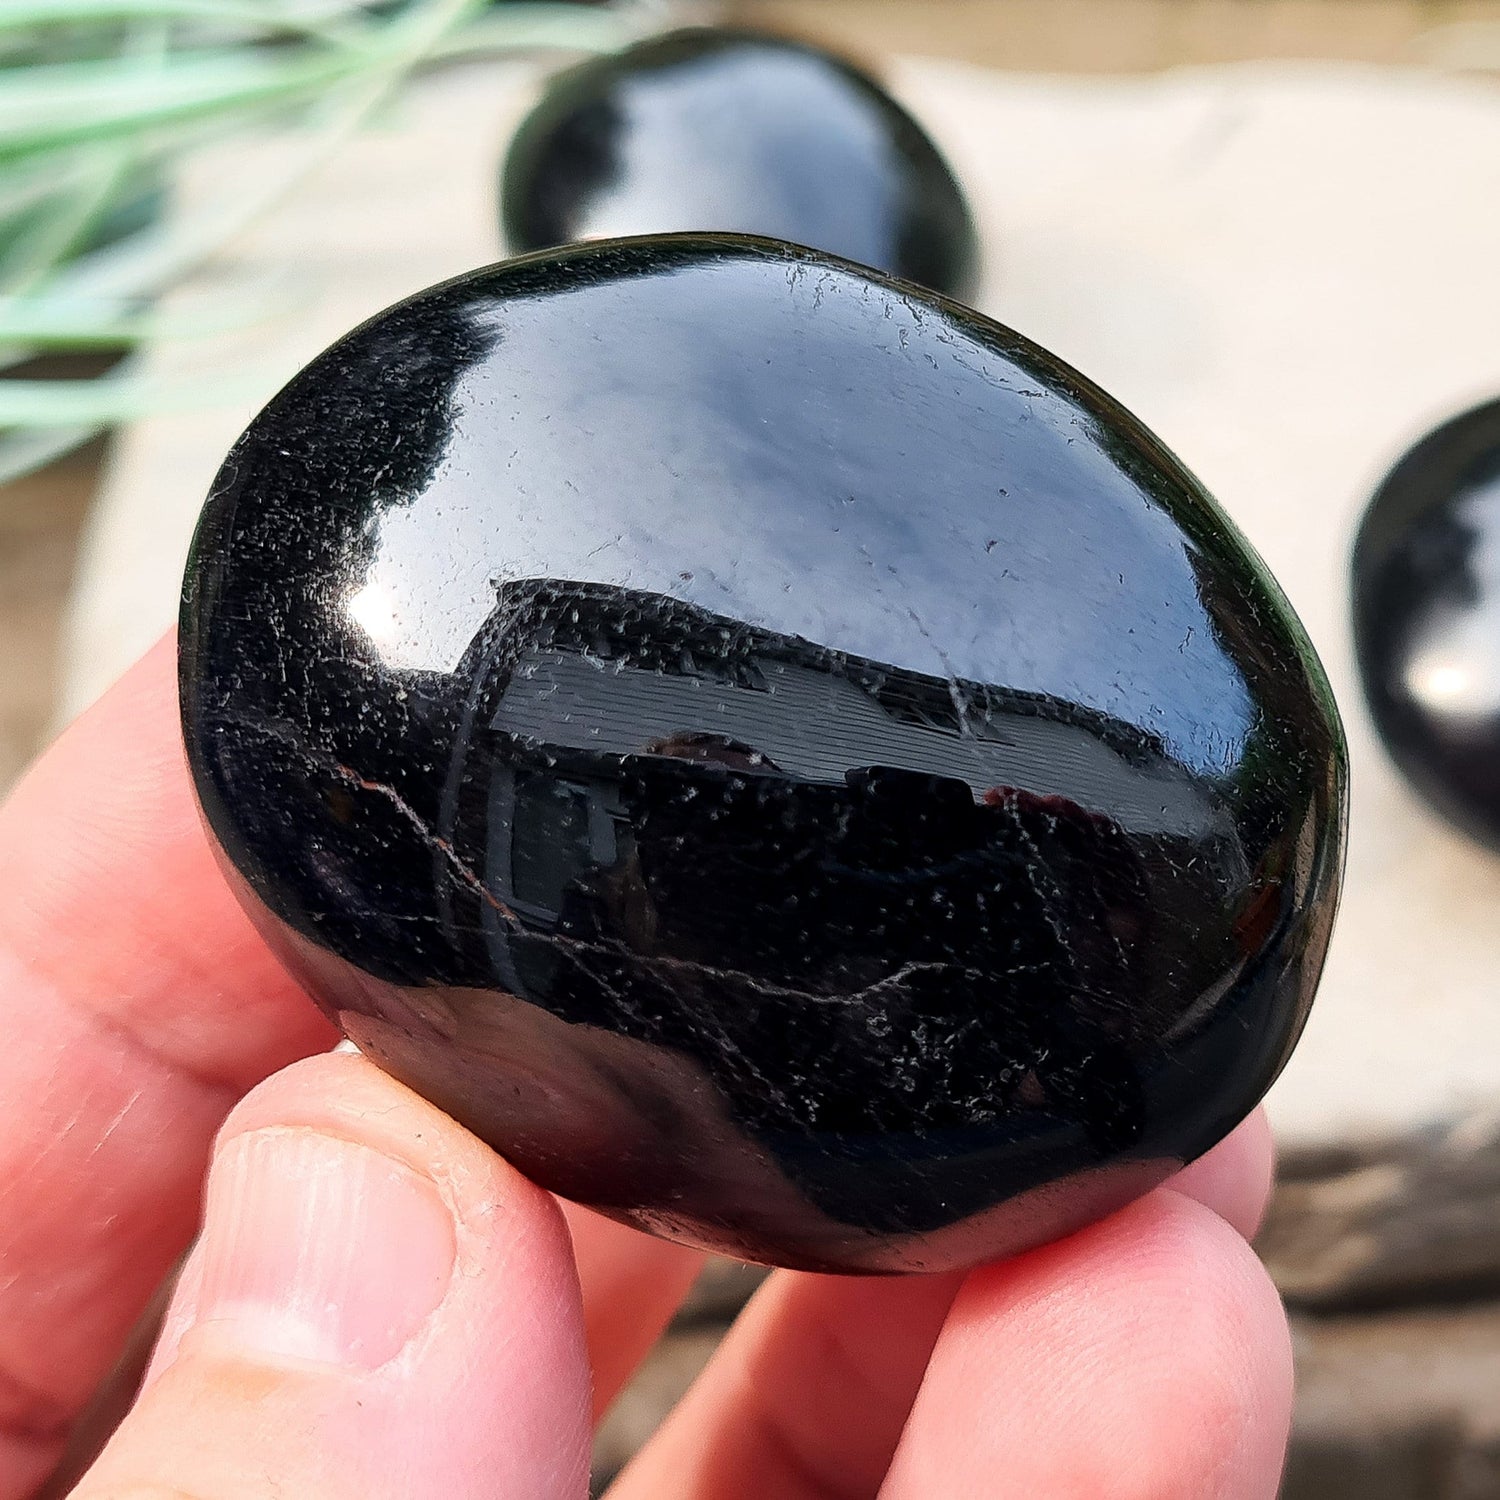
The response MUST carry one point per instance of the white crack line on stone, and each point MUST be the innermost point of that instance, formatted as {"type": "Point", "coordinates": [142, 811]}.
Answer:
{"type": "Point", "coordinates": [433, 840]}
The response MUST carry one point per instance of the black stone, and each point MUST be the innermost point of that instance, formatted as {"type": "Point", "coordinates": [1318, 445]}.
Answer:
{"type": "Point", "coordinates": [1426, 594]}
{"type": "Point", "coordinates": [783, 758]}
{"type": "Point", "coordinates": [719, 129]}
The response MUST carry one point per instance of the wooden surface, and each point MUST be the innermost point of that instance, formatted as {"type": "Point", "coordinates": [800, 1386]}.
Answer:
{"type": "Point", "coordinates": [1123, 36]}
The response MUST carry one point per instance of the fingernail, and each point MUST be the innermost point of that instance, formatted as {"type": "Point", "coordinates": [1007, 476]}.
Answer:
{"type": "Point", "coordinates": [315, 1248]}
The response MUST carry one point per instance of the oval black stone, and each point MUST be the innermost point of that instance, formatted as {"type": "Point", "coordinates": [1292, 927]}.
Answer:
{"type": "Point", "coordinates": [721, 129]}
{"type": "Point", "coordinates": [786, 760]}
{"type": "Point", "coordinates": [1426, 593]}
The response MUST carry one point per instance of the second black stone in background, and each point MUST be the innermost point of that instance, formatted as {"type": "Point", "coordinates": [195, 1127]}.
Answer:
{"type": "Point", "coordinates": [733, 130]}
{"type": "Point", "coordinates": [1426, 588]}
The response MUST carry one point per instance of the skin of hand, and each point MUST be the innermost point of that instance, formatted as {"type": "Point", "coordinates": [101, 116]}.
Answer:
{"type": "Point", "coordinates": [376, 1305]}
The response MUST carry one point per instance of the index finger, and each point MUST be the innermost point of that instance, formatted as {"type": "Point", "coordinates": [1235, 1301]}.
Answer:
{"type": "Point", "coordinates": [136, 1005]}
{"type": "Point", "coordinates": [1145, 1358]}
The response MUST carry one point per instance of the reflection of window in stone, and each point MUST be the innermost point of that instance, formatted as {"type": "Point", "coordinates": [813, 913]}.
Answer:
{"type": "Point", "coordinates": [549, 846]}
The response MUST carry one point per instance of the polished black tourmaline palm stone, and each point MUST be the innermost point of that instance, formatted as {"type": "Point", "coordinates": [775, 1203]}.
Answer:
{"type": "Point", "coordinates": [783, 758]}
{"type": "Point", "coordinates": [720, 129]}
{"type": "Point", "coordinates": [1427, 618]}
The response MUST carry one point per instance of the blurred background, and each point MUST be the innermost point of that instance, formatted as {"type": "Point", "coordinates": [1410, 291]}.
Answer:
{"type": "Point", "coordinates": [1270, 226]}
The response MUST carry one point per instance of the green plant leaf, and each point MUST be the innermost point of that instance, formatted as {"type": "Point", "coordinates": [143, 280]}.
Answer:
{"type": "Point", "coordinates": [53, 324]}
{"type": "Point", "coordinates": [30, 448]}
{"type": "Point", "coordinates": [88, 112]}
{"type": "Point", "coordinates": [263, 20]}
{"type": "Point", "coordinates": [112, 399]}
{"type": "Point", "coordinates": [65, 103]}
{"type": "Point", "coordinates": [541, 27]}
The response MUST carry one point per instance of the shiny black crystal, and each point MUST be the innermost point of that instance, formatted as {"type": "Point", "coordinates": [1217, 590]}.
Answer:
{"type": "Point", "coordinates": [724, 129]}
{"type": "Point", "coordinates": [1426, 592]}
{"type": "Point", "coordinates": [786, 760]}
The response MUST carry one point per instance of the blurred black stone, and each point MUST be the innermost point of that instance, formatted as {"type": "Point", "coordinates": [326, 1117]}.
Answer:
{"type": "Point", "coordinates": [783, 758]}
{"type": "Point", "coordinates": [1426, 578]}
{"type": "Point", "coordinates": [720, 129]}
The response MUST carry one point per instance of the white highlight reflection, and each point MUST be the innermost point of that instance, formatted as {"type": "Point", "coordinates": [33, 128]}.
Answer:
{"type": "Point", "coordinates": [374, 611]}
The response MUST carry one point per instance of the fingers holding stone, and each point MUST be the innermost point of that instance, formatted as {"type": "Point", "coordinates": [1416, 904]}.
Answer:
{"type": "Point", "coordinates": [383, 1307]}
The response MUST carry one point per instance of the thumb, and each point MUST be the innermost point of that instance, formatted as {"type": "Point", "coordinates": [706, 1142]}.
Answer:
{"type": "Point", "coordinates": [378, 1306]}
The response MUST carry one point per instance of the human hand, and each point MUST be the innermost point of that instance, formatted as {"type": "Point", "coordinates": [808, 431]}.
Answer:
{"type": "Point", "coordinates": [377, 1305]}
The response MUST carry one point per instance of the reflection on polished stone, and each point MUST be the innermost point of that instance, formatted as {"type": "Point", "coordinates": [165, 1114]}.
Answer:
{"type": "Point", "coordinates": [786, 760]}
{"type": "Point", "coordinates": [723, 129]}
{"type": "Point", "coordinates": [1427, 617]}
